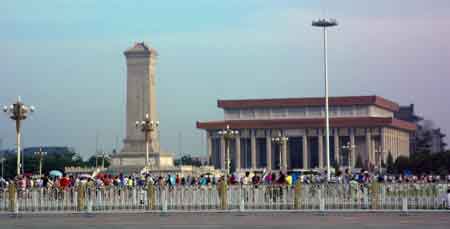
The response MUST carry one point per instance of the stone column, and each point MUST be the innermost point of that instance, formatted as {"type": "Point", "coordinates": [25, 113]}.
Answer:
{"type": "Point", "coordinates": [352, 153]}
{"type": "Point", "coordinates": [222, 152]}
{"type": "Point", "coordinates": [209, 147]}
{"type": "Point", "coordinates": [383, 143]}
{"type": "Point", "coordinates": [284, 156]}
{"type": "Point", "coordinates": [336, 146]}
{"type": "Point", "coordinates": [305, 152]}
{"type": "Point", "coordinates": [237, 160]}
{"type": "Point", "coordinates": [253, 149]}
{"type": "Point", "coordinates": [320, 141]}
{"type": "Point", "coordinates": [269, 152]}
{"type": "Point", "coordinates": [369, 145]}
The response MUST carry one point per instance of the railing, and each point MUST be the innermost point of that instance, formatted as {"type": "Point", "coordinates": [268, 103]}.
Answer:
{"type": "Point", "coordinates": [301, 197]}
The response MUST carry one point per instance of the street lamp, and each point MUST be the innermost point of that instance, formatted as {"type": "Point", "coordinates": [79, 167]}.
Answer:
{"type": "Point", "coordinates": [349, 149]}
{"type": "Point", "coordinates": [324, 23]}
{"type": "Point", "coordinates": [18, 112]}
{"type": "Point", "coordinates": [2, 160]}
{"type": "Point", "coordinates": [228, 134]}
{"type": "Point", "coordinates": [378, 158]}
{"type": "Point", "coordinates": [101, 155]}
{"type": "Point", "coordinates": [280, 141]}
{"type": "Point", "coordinates": [40, 155]}
{"type": "Point", "coordinates": [147, 126]}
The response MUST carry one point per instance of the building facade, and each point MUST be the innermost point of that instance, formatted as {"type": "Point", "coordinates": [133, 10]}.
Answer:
{"type": "Point", "coordinates": [361, 128]}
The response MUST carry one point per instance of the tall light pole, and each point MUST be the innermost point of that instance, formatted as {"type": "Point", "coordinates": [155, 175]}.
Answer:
{"type": "Point", "coordinates": [280, 141]}
{"type": "Point", "coordinates": [40, 155]}
{"type": "Point", "coordinates": [18, 112]}
{"type": "Point", "coordinates": [147, 126]}
{"type": "Point", "coordinates": [228, 134]}
{"type": "Point", "coordinates": [325, 23]}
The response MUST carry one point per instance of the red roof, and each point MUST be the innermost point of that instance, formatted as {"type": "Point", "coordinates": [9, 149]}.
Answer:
{"type": "Point", "coordinates": [317, 101]}
{"type": "Point", "coordinates": [355, 122]}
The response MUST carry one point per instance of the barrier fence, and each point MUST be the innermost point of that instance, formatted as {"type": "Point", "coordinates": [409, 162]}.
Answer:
{"type": "Point", "coordinates": [306, 197]}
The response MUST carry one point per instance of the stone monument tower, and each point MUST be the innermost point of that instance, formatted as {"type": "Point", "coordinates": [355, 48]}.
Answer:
{"type": "Point", "coordinates": [141, 96]}
{"type": "Point", "coordinates": [141, 100]}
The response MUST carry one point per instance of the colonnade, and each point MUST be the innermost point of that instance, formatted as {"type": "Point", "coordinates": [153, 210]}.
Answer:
{"type": "Point", "coordinates": [372, 144]}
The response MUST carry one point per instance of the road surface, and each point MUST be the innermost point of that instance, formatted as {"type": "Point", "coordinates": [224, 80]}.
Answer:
{"type": "Point", "coordinates": [230, 220]}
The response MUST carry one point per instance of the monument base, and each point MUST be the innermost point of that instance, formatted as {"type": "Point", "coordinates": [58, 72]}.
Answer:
{"type": "Point", "coordinates": [128, 163]}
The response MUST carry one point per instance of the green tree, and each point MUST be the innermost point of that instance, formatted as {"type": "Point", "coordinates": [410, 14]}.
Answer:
{"type": "Point", "coordinates": [188, 160]}
{"type": "Point", "coordinates": [401, 164]}
{"type": "Point", "coordinates": [97, 161]}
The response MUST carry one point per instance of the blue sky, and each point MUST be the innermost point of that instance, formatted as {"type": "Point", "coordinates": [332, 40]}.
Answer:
{"type": "Point", "coordinates": [65, 57]}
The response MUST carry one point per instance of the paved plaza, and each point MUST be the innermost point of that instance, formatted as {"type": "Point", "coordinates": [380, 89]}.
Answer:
{"type": "Point", "coordinates": [233, 220]}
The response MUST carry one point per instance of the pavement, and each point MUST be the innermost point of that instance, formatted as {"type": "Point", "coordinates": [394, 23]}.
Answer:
{"type": "Point", "coordinates": [230, 220]}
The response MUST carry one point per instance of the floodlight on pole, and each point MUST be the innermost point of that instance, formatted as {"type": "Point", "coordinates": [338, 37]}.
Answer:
{"type": "Point", "coordinates": [325, 23]}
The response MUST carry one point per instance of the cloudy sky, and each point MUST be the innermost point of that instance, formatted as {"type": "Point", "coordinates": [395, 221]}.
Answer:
{"type": "Point", "coordinates": [65, 57]}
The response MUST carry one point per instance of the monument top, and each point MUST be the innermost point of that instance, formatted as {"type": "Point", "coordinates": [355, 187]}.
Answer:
{"type": "Point", "coordinates": [141, 48]}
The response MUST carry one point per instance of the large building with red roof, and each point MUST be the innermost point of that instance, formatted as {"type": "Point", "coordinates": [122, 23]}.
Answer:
{"type": "Point", "coordinates": [361, 128]}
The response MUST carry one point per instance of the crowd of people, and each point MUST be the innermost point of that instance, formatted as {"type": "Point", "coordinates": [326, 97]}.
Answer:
{"type": "Point", "coordinates": [266, 178]}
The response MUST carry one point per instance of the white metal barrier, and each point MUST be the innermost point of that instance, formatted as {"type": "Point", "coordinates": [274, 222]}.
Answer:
{"type": "Point", "coordinates": [315, 197]}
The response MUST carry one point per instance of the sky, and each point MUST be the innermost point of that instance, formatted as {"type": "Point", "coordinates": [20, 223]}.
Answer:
{"type": "Point", "coordinates": [66, 58]}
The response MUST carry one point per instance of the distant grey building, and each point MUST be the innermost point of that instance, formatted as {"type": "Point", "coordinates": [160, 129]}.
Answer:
{"type": "Point", "coordinates": [437, 141]}
{"type": "Point", "coordinates": [424, 130]}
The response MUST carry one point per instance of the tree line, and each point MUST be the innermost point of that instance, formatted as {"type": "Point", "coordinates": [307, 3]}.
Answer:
{"type": "Point", "coordinates": [420, 163]}
{"type": "Point", "coordinates": [53, 161]}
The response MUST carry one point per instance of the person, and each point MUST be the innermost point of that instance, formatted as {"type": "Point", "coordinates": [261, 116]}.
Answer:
{"type": "Point", "coordinates": [289, 179]}
{"type": "Point", "coordinates": [448, 198]}
{"type": "Point", "coordinates": [64, 182]}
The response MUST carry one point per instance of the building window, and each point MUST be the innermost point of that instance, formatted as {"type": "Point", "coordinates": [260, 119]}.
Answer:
{"type": "Point", "coordinates": [314, 111]}
{"type": "Point", "coordinates": [232, 114]}
{"type": "Point", "coordinates": [278, 112]}
{"type": "Point", "coordinates": [333, 111]}
{"type": "Point", "coordinates": [347, 111]}
{"type": "Point", "coordinates": [247, 114]}
{"type": "Point", "coordinates": [261, 153]}
{"type": "Point", "coordinates": [262, 113]}
{"type": "Point", "coordinates": [297, 112]}
{"type": "Point", "coordinates": [246, 153]}
{"type": "Point", "coordinates": [362, 110]}
{"type": "Point", "coordinates": [215, 154]}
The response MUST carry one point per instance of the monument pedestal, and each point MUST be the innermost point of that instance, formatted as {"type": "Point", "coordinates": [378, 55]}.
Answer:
{"type": "Point", "coordinates": [134, 162]}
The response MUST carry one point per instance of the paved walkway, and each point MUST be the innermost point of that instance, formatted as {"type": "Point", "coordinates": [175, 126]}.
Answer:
{"type": "Point", "coordinates": [224, 220]}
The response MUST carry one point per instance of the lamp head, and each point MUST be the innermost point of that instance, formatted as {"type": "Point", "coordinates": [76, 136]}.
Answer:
{"type": "Point", "coordinates": [5, 109]}
{"type": "Point", "coordinates": [32, 108]}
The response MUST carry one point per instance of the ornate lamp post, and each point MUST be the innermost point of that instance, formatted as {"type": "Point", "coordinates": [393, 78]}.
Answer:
{"type": "Point", "coordinates": [147, 126]}
{"type": "Point", "coordinates": [2, 160]}
{"type": "Point", "coordinates": [101, 155]}
{"type": "Point", "coordinates": [280, 141]}
{"type": "Point", "coordinates": [349, 149]}
{"type": "Point", "coordinates": [40, 155]}
{"type": "Point", "coordinates": [378, 158]}
{"type": "Point", "coordinates": [325, 23]}
{"type": "Point", "coordinates": [228, 134]}
{"type": "Point", "coordinates": [18, 112]}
